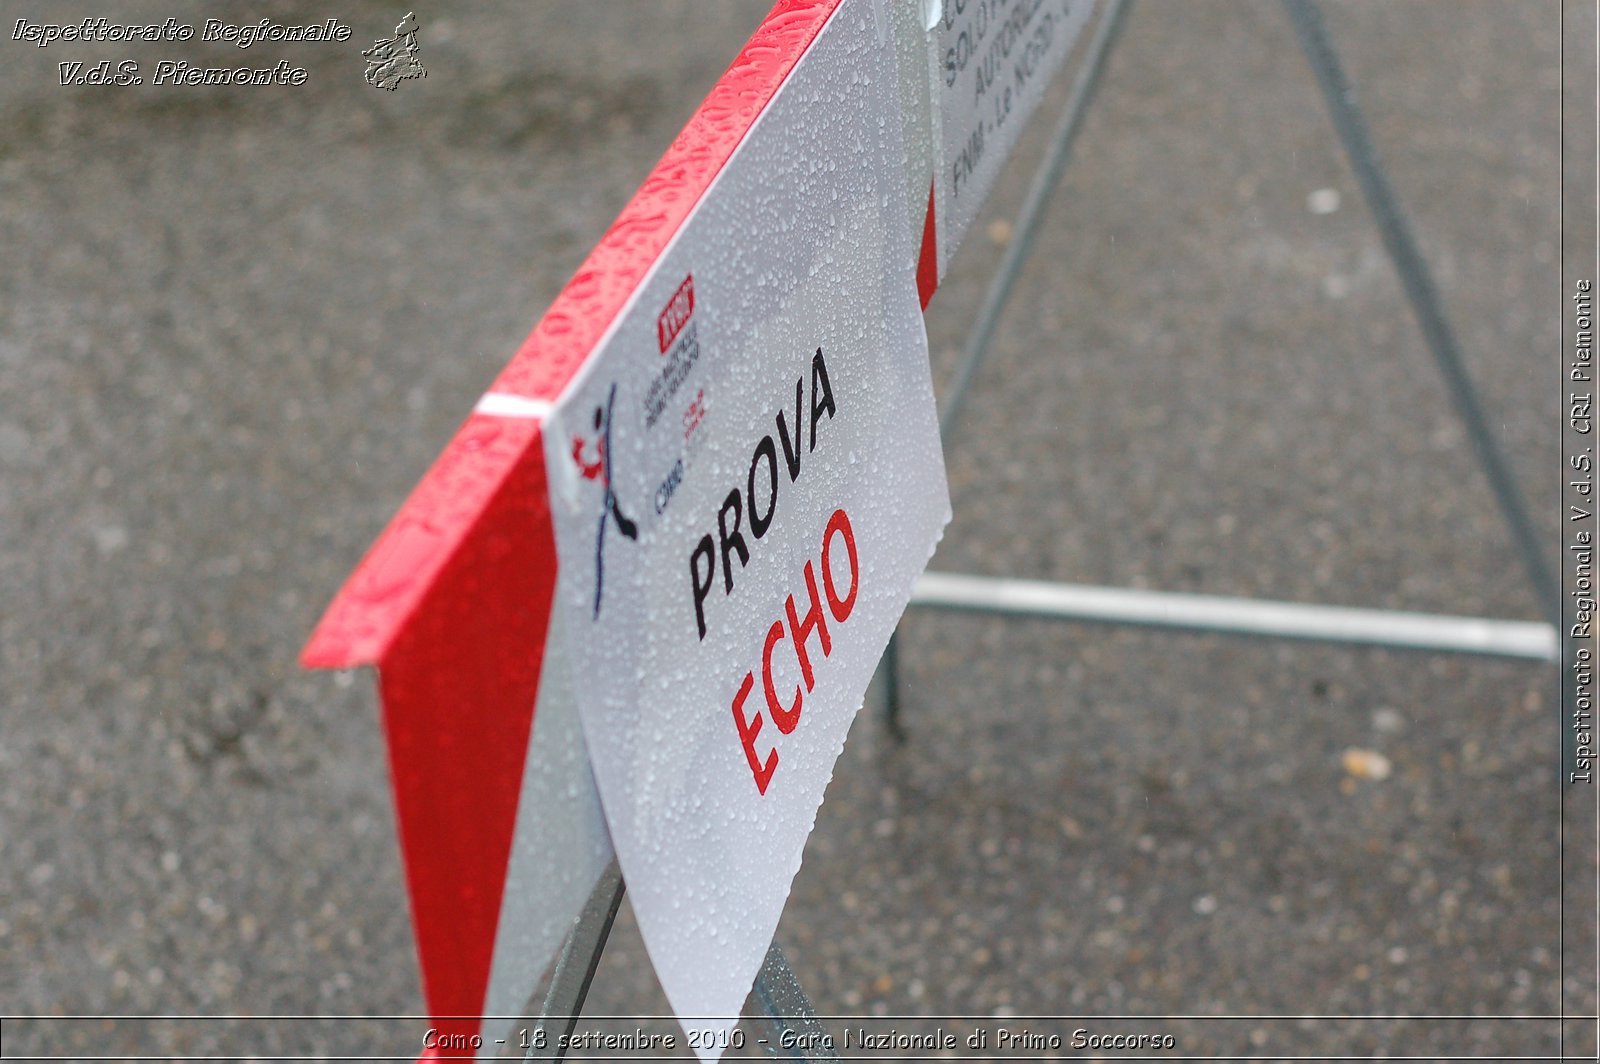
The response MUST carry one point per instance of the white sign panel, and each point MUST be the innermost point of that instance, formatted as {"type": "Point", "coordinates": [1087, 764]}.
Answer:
{"type": "Point", "coordinates": [746, 481]}
{"type": "Point", "coordinates": [992, 61]}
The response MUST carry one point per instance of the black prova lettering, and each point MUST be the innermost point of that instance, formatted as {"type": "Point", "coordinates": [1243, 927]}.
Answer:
{"type": "Point", "coordinates": [700, 583]}
{"type": "Point", "coordinates": [791, 451]}
{"type": "Point", "coordinates": [733, 540]}
{"type": "Point", "coordinates": [759, 522]}
{"type": "Point", "coordinates": [821, 395]}
{"type": "Point", "coordinates": [728, 538]}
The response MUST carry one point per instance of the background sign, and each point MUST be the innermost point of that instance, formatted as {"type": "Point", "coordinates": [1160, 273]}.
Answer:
{"type": "Point", "coordinates": [991, 61]}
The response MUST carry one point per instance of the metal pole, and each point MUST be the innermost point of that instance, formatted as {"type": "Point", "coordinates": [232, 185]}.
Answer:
{"type": "Point", "coordinates": [1419, 288]}
{"type": "Point", "coordinates": [1026, 227]}
{"type": "Point", "coordinates": [791, 1028]}
{"type": "Point", "coordinates": [575, 968]}
{"type": "Point", "coordinates": [784, 1009]}
{"type": "Point", "coordinates": [1045, 180]}
{"type": "Point", "coordinates": [1418, 284]}
{"type": "Point", "coordinates": [1528, 640]}
{"type": "Point", "coordinates": [889, 674]}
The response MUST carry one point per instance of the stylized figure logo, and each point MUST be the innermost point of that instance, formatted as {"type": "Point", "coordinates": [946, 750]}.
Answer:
{"type": "Point", "coordinates": [392, 61]}
{"type": "Point", "coordinates": [599, 468]}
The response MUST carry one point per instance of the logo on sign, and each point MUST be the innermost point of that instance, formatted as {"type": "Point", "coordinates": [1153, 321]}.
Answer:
{"type": "Point", "coordinates": [593, 459]}
{"type": "Point", "coordinates": [679, 309]}
{"type": "Point", "coordinates": [679, 338]}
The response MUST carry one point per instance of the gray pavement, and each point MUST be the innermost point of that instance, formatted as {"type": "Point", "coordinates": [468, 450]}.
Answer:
{"type": "Point", "coordinates": [236, 325]}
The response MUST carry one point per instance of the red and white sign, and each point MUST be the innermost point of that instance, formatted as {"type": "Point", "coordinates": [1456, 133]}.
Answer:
{"type": "Point", "coordinates": [725, 419]}
{"type": "Point", "coordinates": [453, 604]}
{"type": "Point", "coordinates": [730, 587]}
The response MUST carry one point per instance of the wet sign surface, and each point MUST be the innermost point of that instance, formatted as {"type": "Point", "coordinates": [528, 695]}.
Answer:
{"type": "Point", "coordinates": [746, 481]}
{"type": "Point", "coordinates": [726, 423]}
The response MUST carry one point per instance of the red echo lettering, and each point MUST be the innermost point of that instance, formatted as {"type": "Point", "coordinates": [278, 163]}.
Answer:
{"type": "Point", "coordinates": [802, 629]}
{"type": "Point", "coordinates": [799, 630]}
{"type": "Point", "coordinates": [840, 607]}
{"type": "Point", "coordinates": [747, 737]}
{"type": "Point", "coordinates": [785, 717]}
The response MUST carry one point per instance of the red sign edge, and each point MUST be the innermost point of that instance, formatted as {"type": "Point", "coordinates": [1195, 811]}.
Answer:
{"type": "Point", "coordinates": [452, 602]}
{"type": "Point", "coordinates": [383, 591]}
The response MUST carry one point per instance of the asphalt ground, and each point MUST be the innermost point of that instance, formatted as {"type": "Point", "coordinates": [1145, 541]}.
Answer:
{"type": "Point", "coordinates": [236, 325]}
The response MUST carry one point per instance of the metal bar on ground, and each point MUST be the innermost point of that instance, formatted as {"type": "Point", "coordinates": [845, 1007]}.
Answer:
{"type": "Point", "coordinates": [1419, 288]}
{"type": "Point", "coordinates": [791, 1028]}
{"type": "Point", "coordinates": [1044, 183]}
{"type": "Point", "coordinates": [1527, 640]}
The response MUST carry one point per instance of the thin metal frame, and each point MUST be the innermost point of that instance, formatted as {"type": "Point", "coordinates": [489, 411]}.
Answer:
{"type": "Point", "coordinates": [1209, 613]}
{"type": "Point", "coordinates": [789, 1024]}
{"type": "Point", "coordinates": [1422, 294]}
{"type": "Point", "coordinates": [574, 969]}
{"type": "Point", "coordinates": [781, 1005]}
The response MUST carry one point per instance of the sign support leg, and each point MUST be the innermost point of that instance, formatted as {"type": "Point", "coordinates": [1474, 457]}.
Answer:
{"type": "Point", "coordinates": [889, 678]}
{"type": "Point", "coordinates": [575, 968]}
{"type": "Point", "coordinates": [1044, 183]}
{"type": "Point", "coordinates": [789, 1023]}
{"type": "Point", "coordinates": [1040, 189]}
{"type": "Point", "coordinates": [1423, 296]}
{"type": "Point", "coordinates": [1202, 613]}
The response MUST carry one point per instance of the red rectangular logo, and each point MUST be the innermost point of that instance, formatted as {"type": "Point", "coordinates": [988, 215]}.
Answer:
{"type": "Point", "coordinates": [677, 313]}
